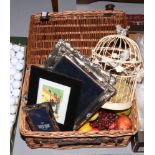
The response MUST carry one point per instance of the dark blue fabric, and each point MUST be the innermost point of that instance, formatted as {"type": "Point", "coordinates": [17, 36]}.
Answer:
{"type": "Point", "coordinates": [90, 90]}
{"type": "Point", "coordinates": [40, 120]}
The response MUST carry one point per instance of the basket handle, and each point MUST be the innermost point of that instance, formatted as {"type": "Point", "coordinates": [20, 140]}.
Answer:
{"type": "Point", "coordinates": [79, 141]}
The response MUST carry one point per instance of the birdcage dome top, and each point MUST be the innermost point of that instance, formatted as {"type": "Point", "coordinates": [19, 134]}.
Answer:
{"type": "Point", "coordinates": [119, 52]}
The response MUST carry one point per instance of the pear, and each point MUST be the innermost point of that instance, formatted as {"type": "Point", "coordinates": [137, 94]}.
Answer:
{"type": "Point", "coordinates": [94, 117]}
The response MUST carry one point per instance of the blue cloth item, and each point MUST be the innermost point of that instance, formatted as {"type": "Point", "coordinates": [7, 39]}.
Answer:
{"type": "Point", "coordinates": [41, 120]}
{"type": "Point", "coordinates": [89, 91]}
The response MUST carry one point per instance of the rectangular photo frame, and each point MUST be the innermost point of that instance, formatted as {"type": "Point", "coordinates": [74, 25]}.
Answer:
{"type": "Point", "coordinates": [62, 91]}
{"type": "Point", "coordinates": [96, 84]}
{"type": "Point", "coordinates": [40, 117]}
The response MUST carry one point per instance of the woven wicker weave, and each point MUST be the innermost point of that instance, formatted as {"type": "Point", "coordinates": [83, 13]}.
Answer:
{"type": "Point", "coordinates": [74, 139]}
{"type": "Point", "coordinates": [83, 29]}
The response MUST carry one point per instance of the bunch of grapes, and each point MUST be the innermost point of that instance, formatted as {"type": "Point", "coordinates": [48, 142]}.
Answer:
{"type": "Point", "coordinates": [104, 121]}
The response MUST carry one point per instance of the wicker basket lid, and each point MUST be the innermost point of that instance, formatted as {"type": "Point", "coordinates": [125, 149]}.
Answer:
{"type": "Point", "coordinates": [82, 29]}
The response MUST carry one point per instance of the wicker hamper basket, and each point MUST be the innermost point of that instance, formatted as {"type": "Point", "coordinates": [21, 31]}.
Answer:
{"type": "Point", "coordinates": [83, 29]}
{"type": "Point", "coordinates": [74, 139]}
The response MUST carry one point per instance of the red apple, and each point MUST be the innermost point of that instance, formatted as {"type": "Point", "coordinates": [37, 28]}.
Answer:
{"type": "Point", "coordinates": [123, 123]}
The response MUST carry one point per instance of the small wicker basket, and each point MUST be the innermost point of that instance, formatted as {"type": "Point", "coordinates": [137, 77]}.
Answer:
{"type": "Point", "coordinates": [83, 30]}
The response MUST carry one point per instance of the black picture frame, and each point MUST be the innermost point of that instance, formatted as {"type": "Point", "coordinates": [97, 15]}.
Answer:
{"type": "Point", "coordinates": [40, 75]}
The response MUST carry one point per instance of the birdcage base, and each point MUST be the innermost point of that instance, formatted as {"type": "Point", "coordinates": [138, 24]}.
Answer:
{"type": "Point", "coordinates": [117, 106]}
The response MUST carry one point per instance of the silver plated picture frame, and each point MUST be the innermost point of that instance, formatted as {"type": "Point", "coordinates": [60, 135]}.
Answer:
{"type": "Point", "coordinates": [66, 60]}
{"type": "Point", "coordinates": [64, 48]}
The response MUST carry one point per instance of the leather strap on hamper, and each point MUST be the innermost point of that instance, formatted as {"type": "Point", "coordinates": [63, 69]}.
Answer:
{"type": "Point", "coordinates": [80, 141]}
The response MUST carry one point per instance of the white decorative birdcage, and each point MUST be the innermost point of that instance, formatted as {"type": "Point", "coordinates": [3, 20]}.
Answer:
{"type": "Point", "coordinates": [120, 56]}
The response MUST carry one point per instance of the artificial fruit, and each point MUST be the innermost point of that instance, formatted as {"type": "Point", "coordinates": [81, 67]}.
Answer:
{"type": "Point", "coordinates": [86, 128]}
